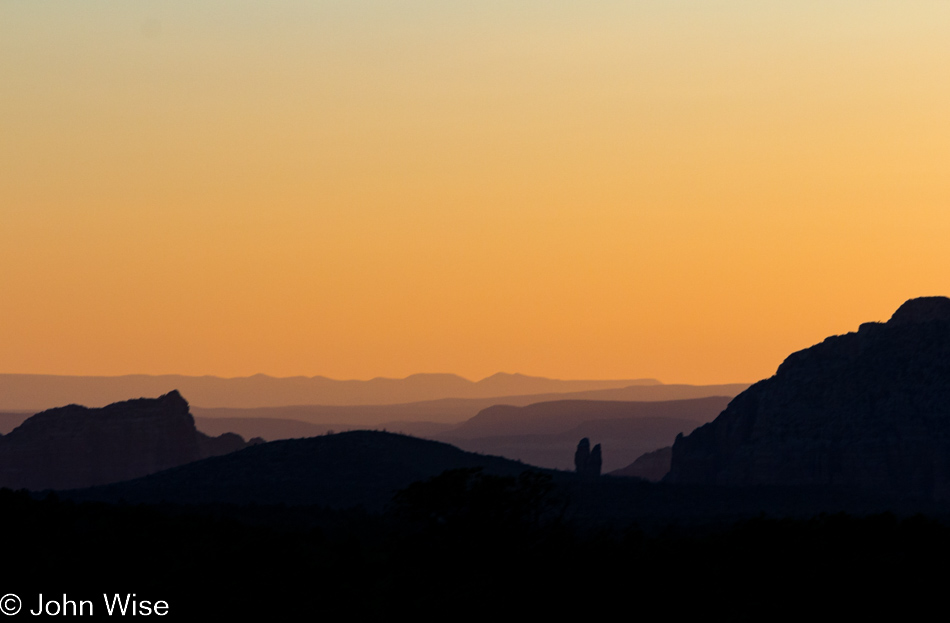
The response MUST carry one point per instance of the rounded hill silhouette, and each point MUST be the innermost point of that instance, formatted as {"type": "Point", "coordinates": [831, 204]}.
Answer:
{"type": "Point", "coordinates": [355, 468]}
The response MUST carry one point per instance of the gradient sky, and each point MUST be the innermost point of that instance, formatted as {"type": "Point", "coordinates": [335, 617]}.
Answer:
{"type": "Point", "coordinates": [604, 189]}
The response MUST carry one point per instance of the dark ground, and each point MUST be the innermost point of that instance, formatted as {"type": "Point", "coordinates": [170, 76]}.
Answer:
{"type": "Point", "coordinates": [467, 545]}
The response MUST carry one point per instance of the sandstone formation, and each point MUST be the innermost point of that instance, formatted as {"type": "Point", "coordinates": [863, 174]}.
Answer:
{"type": "Point", "coordinates": [868, 410]}
{"type": "Point", "coordinates": [595, 462]}
{"type": "Point", "coordinates": [587, 462]}
{"type": "Point", "coordinates": [582, 455]}
{"type": "Point", "coordinates": [73, 446]}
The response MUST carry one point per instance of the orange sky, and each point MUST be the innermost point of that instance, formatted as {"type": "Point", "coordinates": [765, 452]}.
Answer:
{"type": "Point", "coordinates": [681, 190]}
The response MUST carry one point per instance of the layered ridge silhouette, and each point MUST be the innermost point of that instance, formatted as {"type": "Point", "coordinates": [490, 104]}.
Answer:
{"type": "Point", "coordinates": [542, 433]}
{"type": "Point", "coordinates": [546, 433]}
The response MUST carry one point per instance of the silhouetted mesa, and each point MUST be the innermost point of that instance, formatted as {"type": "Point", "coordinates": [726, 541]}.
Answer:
{"type": "Point", "coordinates": [73, 446]}
{"type": "Point", "coordinates": [869, 410]}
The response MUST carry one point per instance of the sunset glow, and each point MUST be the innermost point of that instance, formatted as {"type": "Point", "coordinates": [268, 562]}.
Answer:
{"type": "Point", "coordinates": [680, 190]}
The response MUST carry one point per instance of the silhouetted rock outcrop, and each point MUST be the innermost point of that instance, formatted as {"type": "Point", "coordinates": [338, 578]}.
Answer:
{"type": "Point", "coordinates": [595, 462]}
{"type": "Point", "coordinates": [581, 456]}
{"type": "Point", "coordinates": [868, 410]}
{"type": "Point", "coordinates": [587, 462]}
{"type": "Point", "coordinates": [73, 446]}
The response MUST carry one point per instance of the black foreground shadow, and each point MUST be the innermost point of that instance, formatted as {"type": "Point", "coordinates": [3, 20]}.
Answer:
{"type": "Point", "coordinates": [471, 544]}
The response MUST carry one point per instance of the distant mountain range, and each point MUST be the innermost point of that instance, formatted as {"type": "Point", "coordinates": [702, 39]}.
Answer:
{"type": "Point", "coordinates": [457, 410]}
{"type": "Point", "coordinates": [23, 392]}
{"type": "Point", "coordinates": [561, 415]}
{"type": "Point", "coordinates": [301, 420]}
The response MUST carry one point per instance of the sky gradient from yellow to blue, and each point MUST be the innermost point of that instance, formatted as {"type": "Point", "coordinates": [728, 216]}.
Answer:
{"type": "Point", "coordinates": [681, 190]}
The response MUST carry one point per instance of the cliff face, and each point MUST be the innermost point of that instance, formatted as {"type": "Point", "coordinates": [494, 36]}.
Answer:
{"type": "Point", "coordinates": [71, 447]}
{"type": "Point", "coordinates": [869, 410]}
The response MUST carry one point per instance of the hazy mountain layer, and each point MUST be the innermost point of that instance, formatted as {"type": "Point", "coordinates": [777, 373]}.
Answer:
{"type": "Point", "coordinates": [36, 392]}
{"type": "Point", "coordinates": [652, 466]}
{"type": "Point", "coordinates": [457, 410]}
{"type": "Point", "coordinates": [399, 417]}
{"type": "Point", "coordinates": [11, 419]}
{"type": "Point", "coordinates": [561, 415]}
{"type": "Point", "coordinates": [546, 434]}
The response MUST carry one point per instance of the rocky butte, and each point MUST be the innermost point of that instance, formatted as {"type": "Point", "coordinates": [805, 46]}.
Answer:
{"type": "Point", "coordinates": [868, 410]}
{"type": "Point", "coordinates": [74, 446]}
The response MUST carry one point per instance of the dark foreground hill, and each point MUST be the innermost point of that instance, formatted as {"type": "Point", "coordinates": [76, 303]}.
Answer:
{"type": "Point", "coordinates": [356, 468]}
{"type": "Point", "coordinates": [277, 564]}
{"type": "Point", "coordinates": [73, 446]}
{"type": "Point", "coordinates": [868, 410]}
{"type": "Point", "coordinates": [366, 469]}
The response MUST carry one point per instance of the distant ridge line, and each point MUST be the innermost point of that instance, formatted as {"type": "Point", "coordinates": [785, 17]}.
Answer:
{"type": "Point", "coordinates": [41, 391]}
